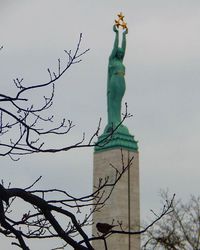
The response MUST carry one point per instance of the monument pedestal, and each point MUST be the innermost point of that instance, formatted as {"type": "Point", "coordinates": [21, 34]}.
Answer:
{"type": "Point", "coordinates": [120, 138]}
{"type": "Point", "coordinates": [123, 204]}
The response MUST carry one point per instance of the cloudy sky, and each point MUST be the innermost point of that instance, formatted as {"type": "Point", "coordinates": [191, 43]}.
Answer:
{"type": "Point", "coordinates": [162, 76]}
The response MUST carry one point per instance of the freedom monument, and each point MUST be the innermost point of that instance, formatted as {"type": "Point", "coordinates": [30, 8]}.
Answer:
{"type": "Point", "coordinates": [116, 147]}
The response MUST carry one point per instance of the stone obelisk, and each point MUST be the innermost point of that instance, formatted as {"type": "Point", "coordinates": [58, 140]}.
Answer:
{"type": "Point", "coordinates": [114, 150]}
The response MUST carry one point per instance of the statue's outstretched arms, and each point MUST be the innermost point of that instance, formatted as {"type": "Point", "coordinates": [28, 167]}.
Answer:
{"type": "Point", "coordinates": [116, 43]}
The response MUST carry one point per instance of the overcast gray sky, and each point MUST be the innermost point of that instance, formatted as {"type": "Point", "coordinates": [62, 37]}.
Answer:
{"type": "Point", "coordinates": [162, 76]}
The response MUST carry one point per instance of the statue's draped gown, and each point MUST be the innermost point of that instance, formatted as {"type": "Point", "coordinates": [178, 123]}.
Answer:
{"type": "Point", "coordinates": [116, 90]}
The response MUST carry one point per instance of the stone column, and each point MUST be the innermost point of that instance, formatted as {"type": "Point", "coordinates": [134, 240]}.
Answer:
{"type": "Point", "coordinates": [123, 204]}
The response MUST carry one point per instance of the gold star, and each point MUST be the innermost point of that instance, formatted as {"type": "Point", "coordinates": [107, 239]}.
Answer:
{"type": "Point", "coordinates": [117, 23]}
{"type": "Point", "coordinates": [120, 15]}
{"type": "Point", "coordinates": [124, 25]}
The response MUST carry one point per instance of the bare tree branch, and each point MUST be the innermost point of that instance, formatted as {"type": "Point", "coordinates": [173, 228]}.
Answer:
{"type": "Point", "coordinates": [177, 230]}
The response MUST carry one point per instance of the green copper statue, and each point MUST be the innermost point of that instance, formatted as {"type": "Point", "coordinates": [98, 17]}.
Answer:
{"type": "Point", "coordinates": [115, 134]}
{"type": "Point", "coordinates": [116, 81]}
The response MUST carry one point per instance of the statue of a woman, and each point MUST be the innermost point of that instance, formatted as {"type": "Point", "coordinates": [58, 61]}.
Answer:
{"type": "Point", "coordinates": [116, 82]}
{"type": "Point", "coordinates": [115, 134]}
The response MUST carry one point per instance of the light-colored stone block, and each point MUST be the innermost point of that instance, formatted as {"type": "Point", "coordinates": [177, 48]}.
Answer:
{"type": "Point", "coordinates": [123, 204]}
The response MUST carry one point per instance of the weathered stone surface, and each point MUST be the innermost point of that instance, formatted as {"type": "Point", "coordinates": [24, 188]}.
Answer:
{"type": "Point", "coordinates": [123, 205]}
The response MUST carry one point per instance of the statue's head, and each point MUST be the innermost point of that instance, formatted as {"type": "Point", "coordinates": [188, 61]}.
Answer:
{"type": "Point", "coordinates": [120, 53]}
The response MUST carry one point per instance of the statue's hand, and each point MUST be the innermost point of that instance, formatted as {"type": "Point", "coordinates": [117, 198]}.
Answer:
{"type": "Point", "coordinates": [115, 28]}
{"type": "Point", "coordinates": [125, 31]}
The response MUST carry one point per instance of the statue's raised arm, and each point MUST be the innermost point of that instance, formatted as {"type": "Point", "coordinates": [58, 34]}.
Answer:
{"type": "Point", "coordinates": [116, 43]}
{"type": "Point", "coordinates": [125, 32]}
{"type": "Point", "coordinates": [116, 47]}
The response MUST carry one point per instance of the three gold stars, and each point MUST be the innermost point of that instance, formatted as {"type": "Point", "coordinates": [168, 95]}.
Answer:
{"type": "Point", "coordinates": [120, 21]}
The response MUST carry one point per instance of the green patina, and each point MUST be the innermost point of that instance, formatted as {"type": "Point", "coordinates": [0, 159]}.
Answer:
{"type": "Point", "coordinates": [120, 138]}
